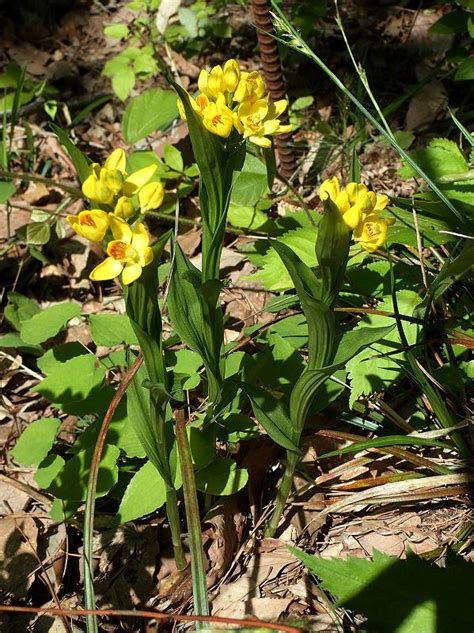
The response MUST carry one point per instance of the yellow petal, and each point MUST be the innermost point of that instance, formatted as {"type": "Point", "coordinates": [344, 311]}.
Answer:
{"type": "Point", "coordinates": [330, 188]}
{"type": "Point", "coordinates": [88, 187]}
{"type": "Point", "coordinates": [262, 141]}
{"type": "Point", "coordinates": [108, 269]}
{"type": "Point", "coordinates": [116, 160]}
{"type": "Point", "coordinates": [124, 208]}
{"type": "Point", "coordinates": [146, 257]}
{"type": "Point", "coordinates": [139, 178]}
{"type": "Point", "coordinates": [151, 196]}
{"type": "Point", "coordinates": [280, 106]}
{"type": "Point", "coordinates": [202, 81]}
{"type": "Point", "coordinates": [120, 229]}
{"type": "Point", "coordinates": [284, 129]}
{"type": "Point", "coordinates": [215, 81]}
{"type": "Point", "coordinates": [270, 127]}
{"type": "Point", "coordinates": [140, 239]}
{"type": "Point", "coordinates": [382, 201]}
{"type": "Point", "coordinates": [352, 217]}
{"type": "Point", "coordinates": [231, 75]}
{"type": "Point", "coordinates": [181, 111]}
{"type": "Point", "coordinates": [131, 272]}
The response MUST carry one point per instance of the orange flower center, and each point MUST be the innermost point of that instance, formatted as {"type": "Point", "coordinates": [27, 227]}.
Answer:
{"type": "Point", "coordinates": [216, 120]}
{"type": "Point", "coordinates": [372, 229]}
{"type": "Point", "coordinates": [117, 250]}
{"type": "Point", "coordinates": [87, 220]}
{"type": "Point", "coordinates": [201, 101]}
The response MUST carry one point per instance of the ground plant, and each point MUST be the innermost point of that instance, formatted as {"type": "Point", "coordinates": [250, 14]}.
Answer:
{"type": "Point", "coordinates": [230, 397]}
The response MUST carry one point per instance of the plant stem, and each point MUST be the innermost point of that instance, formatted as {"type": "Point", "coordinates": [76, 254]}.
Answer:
{"type": "Point", "coordinates": [173, 518]}
{"type": "Point", "coordinates": [201, 604]}
{"type": "Point", "coordinates": [283, 493]}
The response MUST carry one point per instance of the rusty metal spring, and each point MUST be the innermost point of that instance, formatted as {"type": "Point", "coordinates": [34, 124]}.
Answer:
{"type": "Point", "coordinates": [274, 80]}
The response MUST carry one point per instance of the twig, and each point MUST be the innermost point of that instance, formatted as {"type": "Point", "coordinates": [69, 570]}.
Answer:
{"type": "Point", "coordinates": [77, 193]}
{"type": "Point", "coordinates": [92, 487]}
{"type": "Point", "coordinates": [156, 615]}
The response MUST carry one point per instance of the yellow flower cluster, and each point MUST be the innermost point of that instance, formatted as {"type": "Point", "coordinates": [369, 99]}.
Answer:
{"type": "Point", "coordinates": [232, 98]}
{"type": "Point", "coordinates": [360, 210]}
{"type": "Point", "coordinates": [110, 186]}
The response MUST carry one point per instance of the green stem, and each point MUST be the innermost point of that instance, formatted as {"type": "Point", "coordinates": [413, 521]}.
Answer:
{"type": "Point", "coordinates": [201, 604]}
{"type": "Point", "coordinates": [173, 519]}
{"type": "Point", "coordinates": [77, 193]}
{"type": "Point", "coordinates": [283, 493]}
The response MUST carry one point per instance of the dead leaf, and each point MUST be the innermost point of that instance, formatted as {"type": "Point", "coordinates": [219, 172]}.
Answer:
{"type": "Point", "coordinates": [17, 559]}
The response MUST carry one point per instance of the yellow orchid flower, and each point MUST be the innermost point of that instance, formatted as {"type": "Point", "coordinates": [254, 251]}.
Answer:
{"type": "Point", "coordinates": [95, 186]}
{"type": "Point", "coordinates": [231, 76]}
{"type": "Point", "coordinates": [128, 253]}
{"type": "Point", "coordinates": [258, 119]}
{"type": "Point", "coordinates": [251, 87]}
{"type": "Point", "coordinates": [117, 160]}
{"type": "Point", "coordinates": [124, 208]}
{"type": "Point", "coordinates": [198, 104]}
{"type": "Point", "coordinates": [218, 118]}
{"type": "Point", "coordinates": [133, 183]}
{"type": "Point", "coordinates": [91, 224]}
{"type": "Point", "coordinates": [151, 196]}
{"type": "Point", "coordinates": [211, 83]}
{"type": "Point", "coordinates": [372, 232]}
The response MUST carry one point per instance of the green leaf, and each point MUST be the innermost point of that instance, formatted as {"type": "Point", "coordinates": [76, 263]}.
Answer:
{"type": "Point", "coordinates": [251, 183]}
{"type": "Point", "coordinates": [454, 22]}
{"type": "Point", "coordinates": [38, 233]}
{"type": "Point", "coordinates": [12, 339]}
{"type": "Point", "coordinates": [389, 440]}
{"type": "Point", "coordinates": [400, 596]}
{"type": "Point", "coordinates": [404, 232]}
{"type": "Point", "coordinates": [441, 158]}
{"type": "Point", "coordinates": [7, 189]}
{"type": "Point", "coordinates": [302, 103]}
{"type": "Point", "coordinates": [48, 470]}
{"type": "Point", "coordinates": [71, 483]}
{"type": "Point", "coordinates": [152, 110]}
{"type": "Point", "coordinates": [273, 415]}
{"type": "Point", "coordinates": [332, 252]}
{"type": "Point", "coordinates": [116, 31]}
{"type": "Point", "coordinates": [465, 71]}
{"type": "Point", "coordinates": [36, 441]}
{"type": "Point", "coordinates": [79, 160]}
{"type": "Point", "coordinates": [273, 274]}
{"type": "Point", "coordinates": [172, 156]}
{"type": "Point", "coordinates": [47, 323]}
{"type": "Point", "coordinates": [222, 477]}
{"type": "Point", "coordinates": [188, 19]}
{"type": "Point", "coordinates": [246, 217]}
{"type": "Point", "coordinates": [144, 494]}
{"type": "Point", "coordinates": [19, 309]}
{"type": "Point", "coordinates": [72, 381]}
{"type": "Point", "coordinates": [60, 354]}
{"type": "Point", "coordinates": [372, 370]}
{"type": "Point", "coordinates": [123, 82]}
{"type": "Point", "coordinates": [112, 329]}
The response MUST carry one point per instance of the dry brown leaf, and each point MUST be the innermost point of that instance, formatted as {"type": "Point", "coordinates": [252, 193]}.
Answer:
{"type": "Point", "coordinates": [17, 559]}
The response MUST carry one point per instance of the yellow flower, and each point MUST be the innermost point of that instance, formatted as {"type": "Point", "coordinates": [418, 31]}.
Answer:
{"type": "Point", "coordinates": [218, 118]}
{"type": "Point", "coordinates": [124, 208]}
{"type": "Point", "coordinates": [372, 232]}
{"type": "Point", "coordinates": [231, 75]}
{"type": "Point", "coordinates": [151, 196]}
{"type": "Point", "coordinates": [355, 202]}
{"type": "Point", "coordinates": [212, 83]}
{"type": "Point", "coordinates": [250, 87]}
{"type": "Point", "coordinates": [106, 183]}
{"type": "Point", "coordinates": [91, 224]}
{"type": "Point", "coordinates": [128, 253]}
{"type": "Point", "coordinates": [258, 119]}
{"type": "Point", "coordinates": [198, 104]}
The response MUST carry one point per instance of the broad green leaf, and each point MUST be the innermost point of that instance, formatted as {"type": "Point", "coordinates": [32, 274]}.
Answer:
{"type": "Point", "coordinates": [247, 218]}
{"type": "Point", "coordinates": [48, 470]}
{"type": "Point", "coordinates": [112, 329]}
{"type": "Point", "coordinates": [250, 184]}
{"type": "Point", "coordinates": [12, 339]}
{"type": "Point", "coordinates": [465, 72]}
{"type": "Point", "coordinates": [38, 233]}
{"type": "Point", "coordinates": [372, 369]}
{"type": "Point", "coordinates": [294, 329]}
{"type": "Point", "coordinates": [19, 309]}
{"type": "Point", "coordinates": [152, 110]}
{"type": "Point", "coordinates": [47, 323]}
{"type": "Point", "coordinates": [404, 231]}
{"type": "Point", "coordinates": [441, 157]}
{"type": "Point", "coordinates": [145, 493]}
{"type": "Point", "coordinates": [273, 274]}
{"type": "Point", "coordinates": [172, 156]}
{"type": "Point", "coordinates": [116, 31]}
{"type": "Point", "coordinates": [71, 381]}
{"type": "Point", "coordinates": [80, 162]}
{"type": "Point", "coordinates": [353, 342]}
{"type": "Point", "coordinates": [7, 189]}
{"type": "Point", "coordinates": [452, 22]}
{"type": "Point", "coordinates": [36, 441]}
{"type": "Point", "coordinates": [400, 596]}
{"type": "Point", "coordinates": [222, 477]}
{"type": "Point", "coordinates": [123, 82]}
{"type": "Point", "coordinates": [71, 482]}
{"type": "Point", "coordinates": [60, 354]}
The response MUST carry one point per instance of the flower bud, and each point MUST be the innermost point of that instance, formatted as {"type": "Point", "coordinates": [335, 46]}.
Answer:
{"type": "Point", "coordinates": [124, 208]}
{"type": "Point", "coordinates": [231, 75]}
{"type": "Point", "coordinates": [151, 196]}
